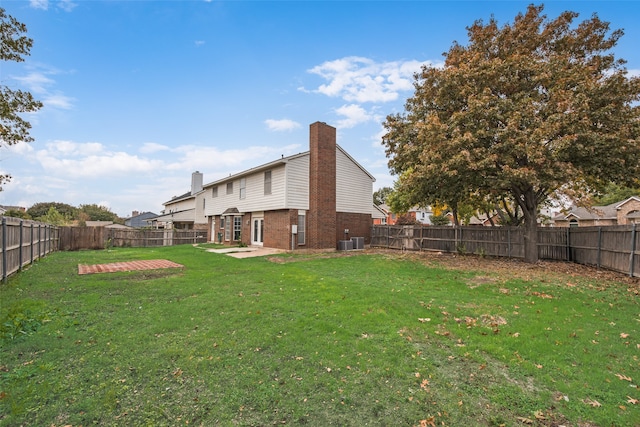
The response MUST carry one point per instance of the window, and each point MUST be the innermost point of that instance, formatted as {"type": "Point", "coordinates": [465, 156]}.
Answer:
{"type": "Point", "coordinates": [243, 188]}
{"type": "Point", "coordinates": [227, 230]}
{"type": "Point", "coordinates": [229, 187]}
{"type": "Point", "coordinates": [301, 228]}
{"type": "Point", "coordinates": [237, 227]}
{"type": "Point", "coordinates": [267, 182]}
{"type": "Point", "coordinates": [204, 203]}
{"type": "Point", "coordinates": [214, 191]}
{"type": "Point", "coordinates": [222, 222]}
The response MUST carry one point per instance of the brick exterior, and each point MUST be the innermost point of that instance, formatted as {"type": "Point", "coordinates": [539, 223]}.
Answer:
{"type": "Point", "coordinates": [277, 228]}
{"type": "Point", "coordinates": [359, 225]}
{"type": "Point", "coordinates": [321, 219]}
{"type": "Point", "coordinates": [630, 206]}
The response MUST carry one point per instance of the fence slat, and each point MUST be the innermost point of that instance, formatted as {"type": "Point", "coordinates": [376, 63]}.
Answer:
{"type": "Point", "coordinates": [612, 247]}
{"type": "Point", "coordinates": [18, 237]}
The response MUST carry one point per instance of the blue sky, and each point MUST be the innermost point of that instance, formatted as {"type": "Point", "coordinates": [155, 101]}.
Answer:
{"type": "Point", "coordinates": [139, 94]}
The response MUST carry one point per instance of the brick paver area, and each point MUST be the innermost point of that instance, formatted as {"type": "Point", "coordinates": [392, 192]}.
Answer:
{"type": "Point", "coordinates": [152, 264]}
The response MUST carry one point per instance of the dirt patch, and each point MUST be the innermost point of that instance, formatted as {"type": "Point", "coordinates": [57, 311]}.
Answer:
{"type": "Point", "coordinates": [514, 268]}
{"type": "Point", "coordinates": [488, 267]}
{"type": "Point", "coordinates": [153, 264]}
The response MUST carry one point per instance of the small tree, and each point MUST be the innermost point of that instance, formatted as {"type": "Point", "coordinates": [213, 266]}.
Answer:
{"type": "Point", "coordinates": [521, 112]}
{"type": "Point", "coordinates": [54, 217]}
{"type": "Point", "coordinates": [14, 46]}
{"type": "Point", "coordinates": [381, 194]}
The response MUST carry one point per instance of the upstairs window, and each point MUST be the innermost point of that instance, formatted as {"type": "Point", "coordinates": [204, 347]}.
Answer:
{"type": "Point", "coordinates": [243, 188]}
{"type": "Point", "coordinates": [230, 188]}
{"type": "Point", "coordinates": [267, 182]}
{"type": "Point", "coordinates": [214, 191]}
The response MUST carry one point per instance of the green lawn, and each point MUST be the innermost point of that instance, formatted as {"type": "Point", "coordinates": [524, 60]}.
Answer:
{"type": "Point", "coordinates": [368, 339]}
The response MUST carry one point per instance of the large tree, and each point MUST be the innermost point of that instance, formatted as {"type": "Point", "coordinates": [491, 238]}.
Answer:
{"type": "Point", "coordinates": [14, 46]}
{"type": "Point", "coordinates": [520, 112]}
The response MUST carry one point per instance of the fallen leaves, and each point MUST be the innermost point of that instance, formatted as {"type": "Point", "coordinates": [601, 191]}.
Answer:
{"type": "Point", "coordinates": [429, 422]}
{"type": "Point", "coordinates": [623, 377]}
{"type": "Point", "coordinates": [632, 400]}
{"type": "Point", "coordinates": [593, 403]}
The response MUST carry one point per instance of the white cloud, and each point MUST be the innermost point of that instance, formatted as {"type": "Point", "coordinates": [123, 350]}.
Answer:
{"type": "Point", "coordinates": [58, 101]}
{"type": "Point", "coordinates": [38, 82]}
{"type": "Point", "coordinates": [67, 5]}
{"type": "Point", "coordinates": [35, 81]}
{"type": "Point", "coordinates": [281, 125]}
{"type": "Point", "coordinates": [358, 79]}
{"type": "Point", "coordinates": [633, 72]}
{"type": "Point", "coordinates": [199, 42]}
{"type": "Point", "coordinates": [353, 115]}
{"type": "Point", "coordinates": [39, 4]}
{"type": "Point", "coordinates": [152, 147]}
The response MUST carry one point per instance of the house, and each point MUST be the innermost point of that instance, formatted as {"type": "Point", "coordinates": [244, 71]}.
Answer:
{"type": "Point", "coordinates": [105, 224]}
{"type": "Point", "coordinates": [619, 213]}
{"type": "Point", "coordinates": [380, 217]}
{"type": "Point", "coordinates": [183, 212]}
{"type": "Point", "coordinates": [416, 215]}
{"type": "Point", "coordinates": [139, 220]}
{"type": "Point", "coordinates": [310, 200]}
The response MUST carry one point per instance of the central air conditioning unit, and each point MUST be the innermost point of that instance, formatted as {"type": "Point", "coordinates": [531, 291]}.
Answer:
{"type": "Point", "coordinates": [358, 242]}
{"type": "Point", "coordinates": [345, 245]}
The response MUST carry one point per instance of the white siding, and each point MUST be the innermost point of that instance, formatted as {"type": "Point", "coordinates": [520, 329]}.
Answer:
{"type": "Point", "coordinates": [255, 199]}
{"type": "Point", "coordinates": [182, 205]}
{"type": "Point", "coordinates": [354, 187]}
{"type": "Point", "coordinates": [297, 183]}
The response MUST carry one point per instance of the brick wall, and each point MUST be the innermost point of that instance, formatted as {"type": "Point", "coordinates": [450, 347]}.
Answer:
{"type": "Point", "coordinates": [359, 225]}
{"type": "Point", "coordinates": [277, 228]}
{"type": "Point", "coordinates": [321, 219]}
{"type": "Point", "coordinates": [631, 205]}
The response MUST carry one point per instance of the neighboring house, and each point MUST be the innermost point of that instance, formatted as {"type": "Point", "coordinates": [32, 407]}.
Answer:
{"type": "Point", "coordinates": [380, 214]}
{"type": "Point", "coordinates": [139, 220]}
{"type": "Point", "coordinates": [310, 200]}
{"type": "Point", "coordinates": [184, 212]}
{"type": "Point", "coordinates": [619, 213]}
{"type": "Point", "coordinates": [105, 224]}
{"type": "Point", "coordinates": [417, 214]}
{"type": "Point", "coordinates": [4, 209]}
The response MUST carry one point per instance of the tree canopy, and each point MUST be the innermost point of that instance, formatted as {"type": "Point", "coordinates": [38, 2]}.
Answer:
{"type": "Point", "coordinates": [521, 112]}
{"type": "Point", "coordinates": [14, 46]}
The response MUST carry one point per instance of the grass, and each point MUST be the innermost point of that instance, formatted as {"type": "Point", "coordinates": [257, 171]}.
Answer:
{"type": "Point", "coordinates": [368, 339]}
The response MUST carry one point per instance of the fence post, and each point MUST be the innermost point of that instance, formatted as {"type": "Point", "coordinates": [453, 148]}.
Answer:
{"type": "Point", "coordinates": [31, 244]}
{"type": "Point", "coordinates": [4, 249]}
{"type": "Point", "coordinates": [509, 242]}
{"type": "Point", "coordinates": [599, 252]}
{"type": "Point", "coordinates": [21, 243]}
{"type": "Point", "coordinates": [633, 250]}
{"type": "Point", "coordinates": [569, 244]}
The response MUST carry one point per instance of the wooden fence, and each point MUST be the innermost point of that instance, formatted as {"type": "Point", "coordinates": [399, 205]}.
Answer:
{"type": "Point", "coordinates": [76, 238]}
{"type": "Point", "coordinates": [23, 242]}
{"type": "Point", "coordinates": [615, 248]}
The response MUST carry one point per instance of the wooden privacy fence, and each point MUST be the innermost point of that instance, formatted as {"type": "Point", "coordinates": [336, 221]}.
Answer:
{"type": "Point", "coordinates": [23, 242]}
{"type": "Point", "coordinates": [615, 247]}
{"type": "Point", "coordinates": [76, 238]}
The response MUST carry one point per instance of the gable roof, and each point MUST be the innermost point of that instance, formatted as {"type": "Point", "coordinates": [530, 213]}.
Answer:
{"type": "Point", "coordinates": [283, 160]}
{"type": "Point", "coordinates": [596, 212]}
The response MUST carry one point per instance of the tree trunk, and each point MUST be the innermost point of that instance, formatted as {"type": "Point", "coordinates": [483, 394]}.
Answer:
{"type": "Point", "coordinates": [529, 205]}
{"type": "Point", "coordinates": [531, 238]}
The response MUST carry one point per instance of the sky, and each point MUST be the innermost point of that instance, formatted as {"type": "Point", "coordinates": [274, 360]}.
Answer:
{"type": "Point", "coordinates": [139, 94]}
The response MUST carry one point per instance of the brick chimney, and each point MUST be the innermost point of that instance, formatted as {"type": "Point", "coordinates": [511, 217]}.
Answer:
{"type": "Point", "coordinates": [321, 227]}
{"type": "Point", "coordinates": [196, 182]}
